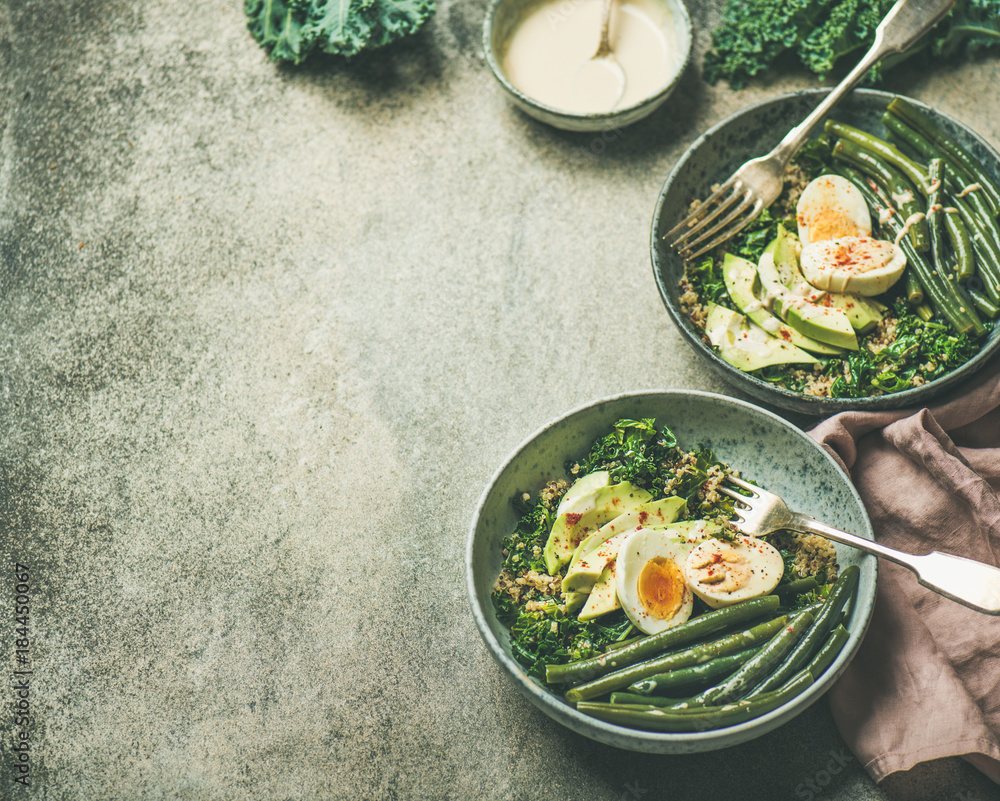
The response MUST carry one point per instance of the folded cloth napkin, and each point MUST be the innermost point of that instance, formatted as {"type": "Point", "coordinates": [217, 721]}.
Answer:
{"type": "Point", "coordinates": [925, 683]}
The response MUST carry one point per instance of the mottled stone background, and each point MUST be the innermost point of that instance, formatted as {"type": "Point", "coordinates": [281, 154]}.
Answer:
{"type": "Point", "coordinates": [265, 333]}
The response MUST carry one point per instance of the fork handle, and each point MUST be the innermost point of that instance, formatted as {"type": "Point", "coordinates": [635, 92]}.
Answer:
{"type": "Point", "coordinates": [905, 23]}
{"type": "Point", "coordinates": [974, 584]}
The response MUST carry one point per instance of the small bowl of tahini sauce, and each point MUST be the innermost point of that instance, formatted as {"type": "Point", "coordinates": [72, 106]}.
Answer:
{"type": "Point", "coordinates": [538, 50]}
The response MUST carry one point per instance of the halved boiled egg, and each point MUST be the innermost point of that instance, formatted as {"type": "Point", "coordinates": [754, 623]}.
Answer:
{"type": "Point", "coordinates": [724, 573]}
{"type": "Point", "coordinates": [650, 580]}
{"type": "Point", "coordinates": [859, 265]}
{"type": "Point", "coordinates": [830, 207]}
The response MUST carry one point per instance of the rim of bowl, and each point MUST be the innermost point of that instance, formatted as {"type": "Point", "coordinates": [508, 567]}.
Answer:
{"type": "Point", "coordinates": [648, 741]}
{"type": "Point", "coordinates": [763, 390]}
{"type": "Point", "coordinates": [677, 6]}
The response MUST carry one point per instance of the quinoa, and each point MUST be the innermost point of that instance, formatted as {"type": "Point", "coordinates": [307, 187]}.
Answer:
{"type": "Point", "coordinates": [812, 555]}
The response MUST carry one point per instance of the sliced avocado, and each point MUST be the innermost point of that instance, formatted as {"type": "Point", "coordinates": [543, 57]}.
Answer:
{"type": "Point", "coordinates": [583, 486]}
{"type": "Point", "coordinates": [826, 325]}
{"type": "Point", "coordinates": [588, 513]}
{"type": "Point", "coordinates": [745, 289]}
{"type": "Point", "coordinates": [862, 314]}
{"type": "Point", "coordinates": [603, 597]}
{"type": "Point", "coordinates": [648, 515]}
{"type": "Point", "coordinates": [586, 571]}
{"type": "Point", "coordinates": [694, 531]}
{"type": "Point", "coordinates": [747, 346]}
{"type": "Point", "coordinates": [574, 601]}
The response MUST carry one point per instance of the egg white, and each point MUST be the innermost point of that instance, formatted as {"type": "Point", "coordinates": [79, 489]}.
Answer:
{"type": "Point", "coordinates": [756, 574]}
{"type": "Point", "coordinates": [858, 265]}
{"type": "Point", "coordinates": [638, 548]}
{"type": "Point", "coordinates": [829, 207]}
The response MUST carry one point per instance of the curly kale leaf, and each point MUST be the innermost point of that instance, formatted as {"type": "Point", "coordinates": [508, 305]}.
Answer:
{"type": "Point", "coordinates": [548, 636]}
{"type": "Point", "coordinates": [634, 451]}
{"type": "Point", "coordinates": [850, 26]}
{"type": "Point", "coordinates": [920, 352]}
{"type": "Point", "coordinates": [753, 34]}
{"type": "Point", "coordinates": [294, 29]}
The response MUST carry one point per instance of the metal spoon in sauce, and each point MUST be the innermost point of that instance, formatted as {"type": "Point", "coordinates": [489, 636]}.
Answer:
{"type": "Point", "coordinates": [601, 77]}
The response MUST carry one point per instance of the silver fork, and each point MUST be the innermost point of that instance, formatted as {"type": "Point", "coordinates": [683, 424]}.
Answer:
{"type": "Point", "coordinates": [972, 583]}
{"type": "Point", "coordinates": [758, 183]}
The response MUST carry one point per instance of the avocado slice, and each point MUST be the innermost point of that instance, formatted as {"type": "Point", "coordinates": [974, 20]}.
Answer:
{"type": "Point", "coordinates": [585, 572]}
{"type": "Point", "coordinates": [745, 289]}
{"type": "Point", "coordinates": [826, 325]}
{"type": "Point", "coordinates": [601, 547]}
{"type": "Point", "coordinates": [694, 531]}
{"type": "Point", "coordinates": [588, 513]}
{"type": "Point", "coordinates": [862, 313]}
{"type": "Point", "coordinates": [603, 597]}
{"type": "Point", "coordinates": [650, 515]}
{"type": "Point", "coordinates": [583, 486]}
{"type": "Point", "coordinates": [747, 346]}
{"type": "Point", "coordinates": [574, 601]}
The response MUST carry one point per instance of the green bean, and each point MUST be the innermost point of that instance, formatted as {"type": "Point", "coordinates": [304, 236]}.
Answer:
{"type": "Point", "coordinates": [842, 591]}
{"type": "Point", "coordinates": [961, 246]}
{"type": "Point", "coordinates": [694, 655]}
{"type": "Point", "coordinates": [986, 307]}
{"type": "Point", "coordinates": [890, 154]}
{"type": "Point", "coordinates": [917, 119]}
{"type": "Point", "coordinates": [694, 629]}
{"type": "Point", "coordinates": [696, 674]}
{"type": "Point", "coordinates": [652, 718]}
{"type": "Point", "coordinates": [797, 586]}
{"type": "Point", "coordinates": [614, 646]}
{"type": "Point", "coordinates": [935, 175]}
{"type": "Point", "coordinates": [956, 182]}
{"type": "Point", "coordinates": [984, 244]}
{"type": "Point", "coordinates": [957, 178]}
{"type": "Point", "coordinates": [914, 291]}
{"type": "Point", "coordinates": [759, 666]}
{"type": "Point", "coordinates": [939, 291]}
{"type": "Point", "coordinates": [648, 700]}
{"type": "Point", "coordinates": [828, 652]}
{"type": "Point", "coordinates": [899, 187]}
{"type": "Point", "coordinates": [962, 186]}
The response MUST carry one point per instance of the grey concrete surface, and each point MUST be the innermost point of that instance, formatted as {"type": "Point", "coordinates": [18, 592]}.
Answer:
{"type": "Point", "coordinates": [265, 333]}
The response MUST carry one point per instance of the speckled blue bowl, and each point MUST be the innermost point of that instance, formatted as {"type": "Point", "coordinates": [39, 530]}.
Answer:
{"type": "Point", "coordinates": [744, 436]}
{"type": "Point", "coordinates": [753, 132]}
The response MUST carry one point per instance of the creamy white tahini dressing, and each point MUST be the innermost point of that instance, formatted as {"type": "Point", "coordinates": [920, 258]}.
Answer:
{"type": "Point", "coordinates": [549, 50]}
{"type": "Point", "coordinates": [913, 219]}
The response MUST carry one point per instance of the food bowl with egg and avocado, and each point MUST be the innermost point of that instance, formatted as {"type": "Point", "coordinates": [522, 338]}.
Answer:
{"type": "Point", "coordinates": [873, 282]}
{"type": "Point", "coordinates": [609, 583]}
{"type": "Point", "coordinates": [542, 54]}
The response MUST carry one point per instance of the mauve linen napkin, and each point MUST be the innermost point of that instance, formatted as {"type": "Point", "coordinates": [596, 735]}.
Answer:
{"type": "Point", "coordinates": [925, 683]}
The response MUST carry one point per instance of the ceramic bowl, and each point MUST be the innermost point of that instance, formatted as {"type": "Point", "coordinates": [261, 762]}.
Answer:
{"type": "Point", "coordinates": [744, 436]}
{"type": "Point", "coordinates": [753, 132]}
{"type": "Point", "coordinates": [501, 19]}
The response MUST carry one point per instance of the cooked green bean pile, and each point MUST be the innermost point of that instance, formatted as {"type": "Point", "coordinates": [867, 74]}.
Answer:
{"type": "Point", "coordinates": [931, 195]}
{"type": "Point", "coordinates": [684, 680]}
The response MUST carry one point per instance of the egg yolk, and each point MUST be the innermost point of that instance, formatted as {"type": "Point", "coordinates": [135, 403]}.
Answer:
{"type": "Point", "coordinates": [830, 224]}
{"type": "Point", "coordinates": [661, 587]}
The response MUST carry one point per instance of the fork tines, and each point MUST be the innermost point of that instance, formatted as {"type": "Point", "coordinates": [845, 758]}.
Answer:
{"type": "Point", "coordinates": [736, 496]}
{"type": "Point", "coordinates": [731, 200]}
